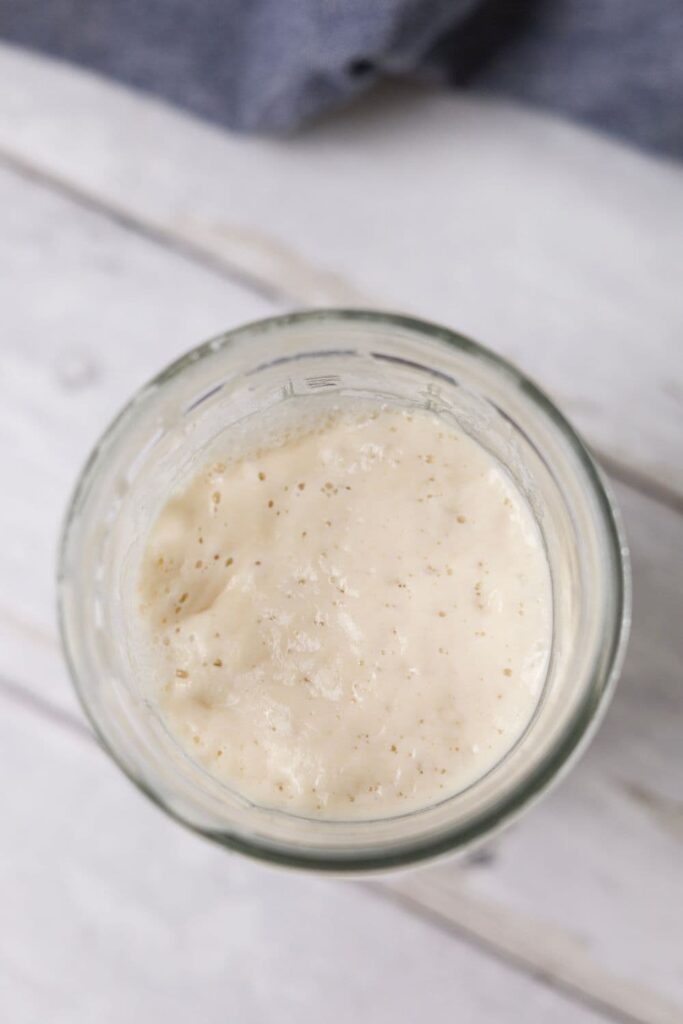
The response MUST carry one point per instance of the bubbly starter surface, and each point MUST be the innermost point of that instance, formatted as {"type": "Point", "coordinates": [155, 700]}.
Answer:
{"type": "Point", "coordinates": [354, 622]}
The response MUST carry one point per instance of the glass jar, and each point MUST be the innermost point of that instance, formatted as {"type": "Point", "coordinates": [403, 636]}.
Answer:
{"type": "Point", "coordinates": [175, 418]}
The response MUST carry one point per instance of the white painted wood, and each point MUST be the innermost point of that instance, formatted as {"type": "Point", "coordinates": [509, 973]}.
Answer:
{"type": "Point", "coordinates": [89, 312]}
{"type": "Point", "coordinates": [112, 913]}
{"type": "Point", "coordinates": [589, 887]}
{"type": "Point", "coordinates": [556, 247]}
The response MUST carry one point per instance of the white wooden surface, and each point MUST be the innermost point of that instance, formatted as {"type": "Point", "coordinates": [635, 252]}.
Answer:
{"type": "Point", "coordinates": [129, 233]}
{"type": "Point", "coordinates": [558, 248]}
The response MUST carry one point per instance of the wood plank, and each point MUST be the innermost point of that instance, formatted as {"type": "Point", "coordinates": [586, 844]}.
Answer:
{"type": "Point", "coordinates": [112, 913]}
{"type": "Point", "coordinates": [90, 312]}
{"type": "Point", "coordinates": [553, 245]}
{"type": "Point", "coordinates": [556, 893]}
{"type": "Point", "coordinates": [588, 888]}
{"type": "Point", "coordinates": [563, 879]}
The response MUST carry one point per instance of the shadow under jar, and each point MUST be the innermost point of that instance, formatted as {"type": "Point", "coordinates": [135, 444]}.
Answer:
{"type": "Point", "coordinates": [171, 425]}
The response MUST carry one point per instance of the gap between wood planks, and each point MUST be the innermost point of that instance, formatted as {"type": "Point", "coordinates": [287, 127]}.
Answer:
{"type": "Point", "coordinates": [603, 991]}
{"type": "Point", "coordinates": [33, 704]}
{"type": "Point", "coordinates": [496, 931]}
{"type": "Point", "coordinates": [638, 480]}
{"type": "Point", "coordinates": [540, 949]}
{"type": "Point", "coordinates": [17, 694]}
{"type": "Point", "coordinates": [504, 934]}
{"type": "Point", "coordinates": [148, 230]}
{"type": "Point", "coordinates": [553, 957]}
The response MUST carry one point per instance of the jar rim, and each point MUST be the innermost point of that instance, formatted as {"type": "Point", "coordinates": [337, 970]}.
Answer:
{"type": "Point", "coordinates": [575, 736]}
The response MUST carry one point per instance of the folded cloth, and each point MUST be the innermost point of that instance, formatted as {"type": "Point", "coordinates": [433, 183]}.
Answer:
{"type": "Point", "coordinates": [271, 65]}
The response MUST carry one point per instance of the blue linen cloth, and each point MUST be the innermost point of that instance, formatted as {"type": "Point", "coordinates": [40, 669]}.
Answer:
{"type": "Point", "coordinates": [272, 65]}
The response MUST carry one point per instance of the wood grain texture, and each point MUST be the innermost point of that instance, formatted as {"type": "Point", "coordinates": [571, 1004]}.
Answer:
{"type": "Point", "coordinates": [588, 887]}
{"type": "Point", "coordinates": [556, 247]}
{"type": "Point", "coordinates": [112, 913]}
{"type": "Point", "coordinates": [585, 890]}
{"type": "Point", "coordinates": [90, 311]}
{"type": "Point", "coordinates": [61, 380]}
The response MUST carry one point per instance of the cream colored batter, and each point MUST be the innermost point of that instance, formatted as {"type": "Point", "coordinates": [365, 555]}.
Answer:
{"type": "Point", "coordinates": [352, 623]}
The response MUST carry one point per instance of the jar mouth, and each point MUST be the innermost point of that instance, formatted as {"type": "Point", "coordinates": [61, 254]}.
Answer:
{"type": "Point", "coordinates": [443, 345]}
